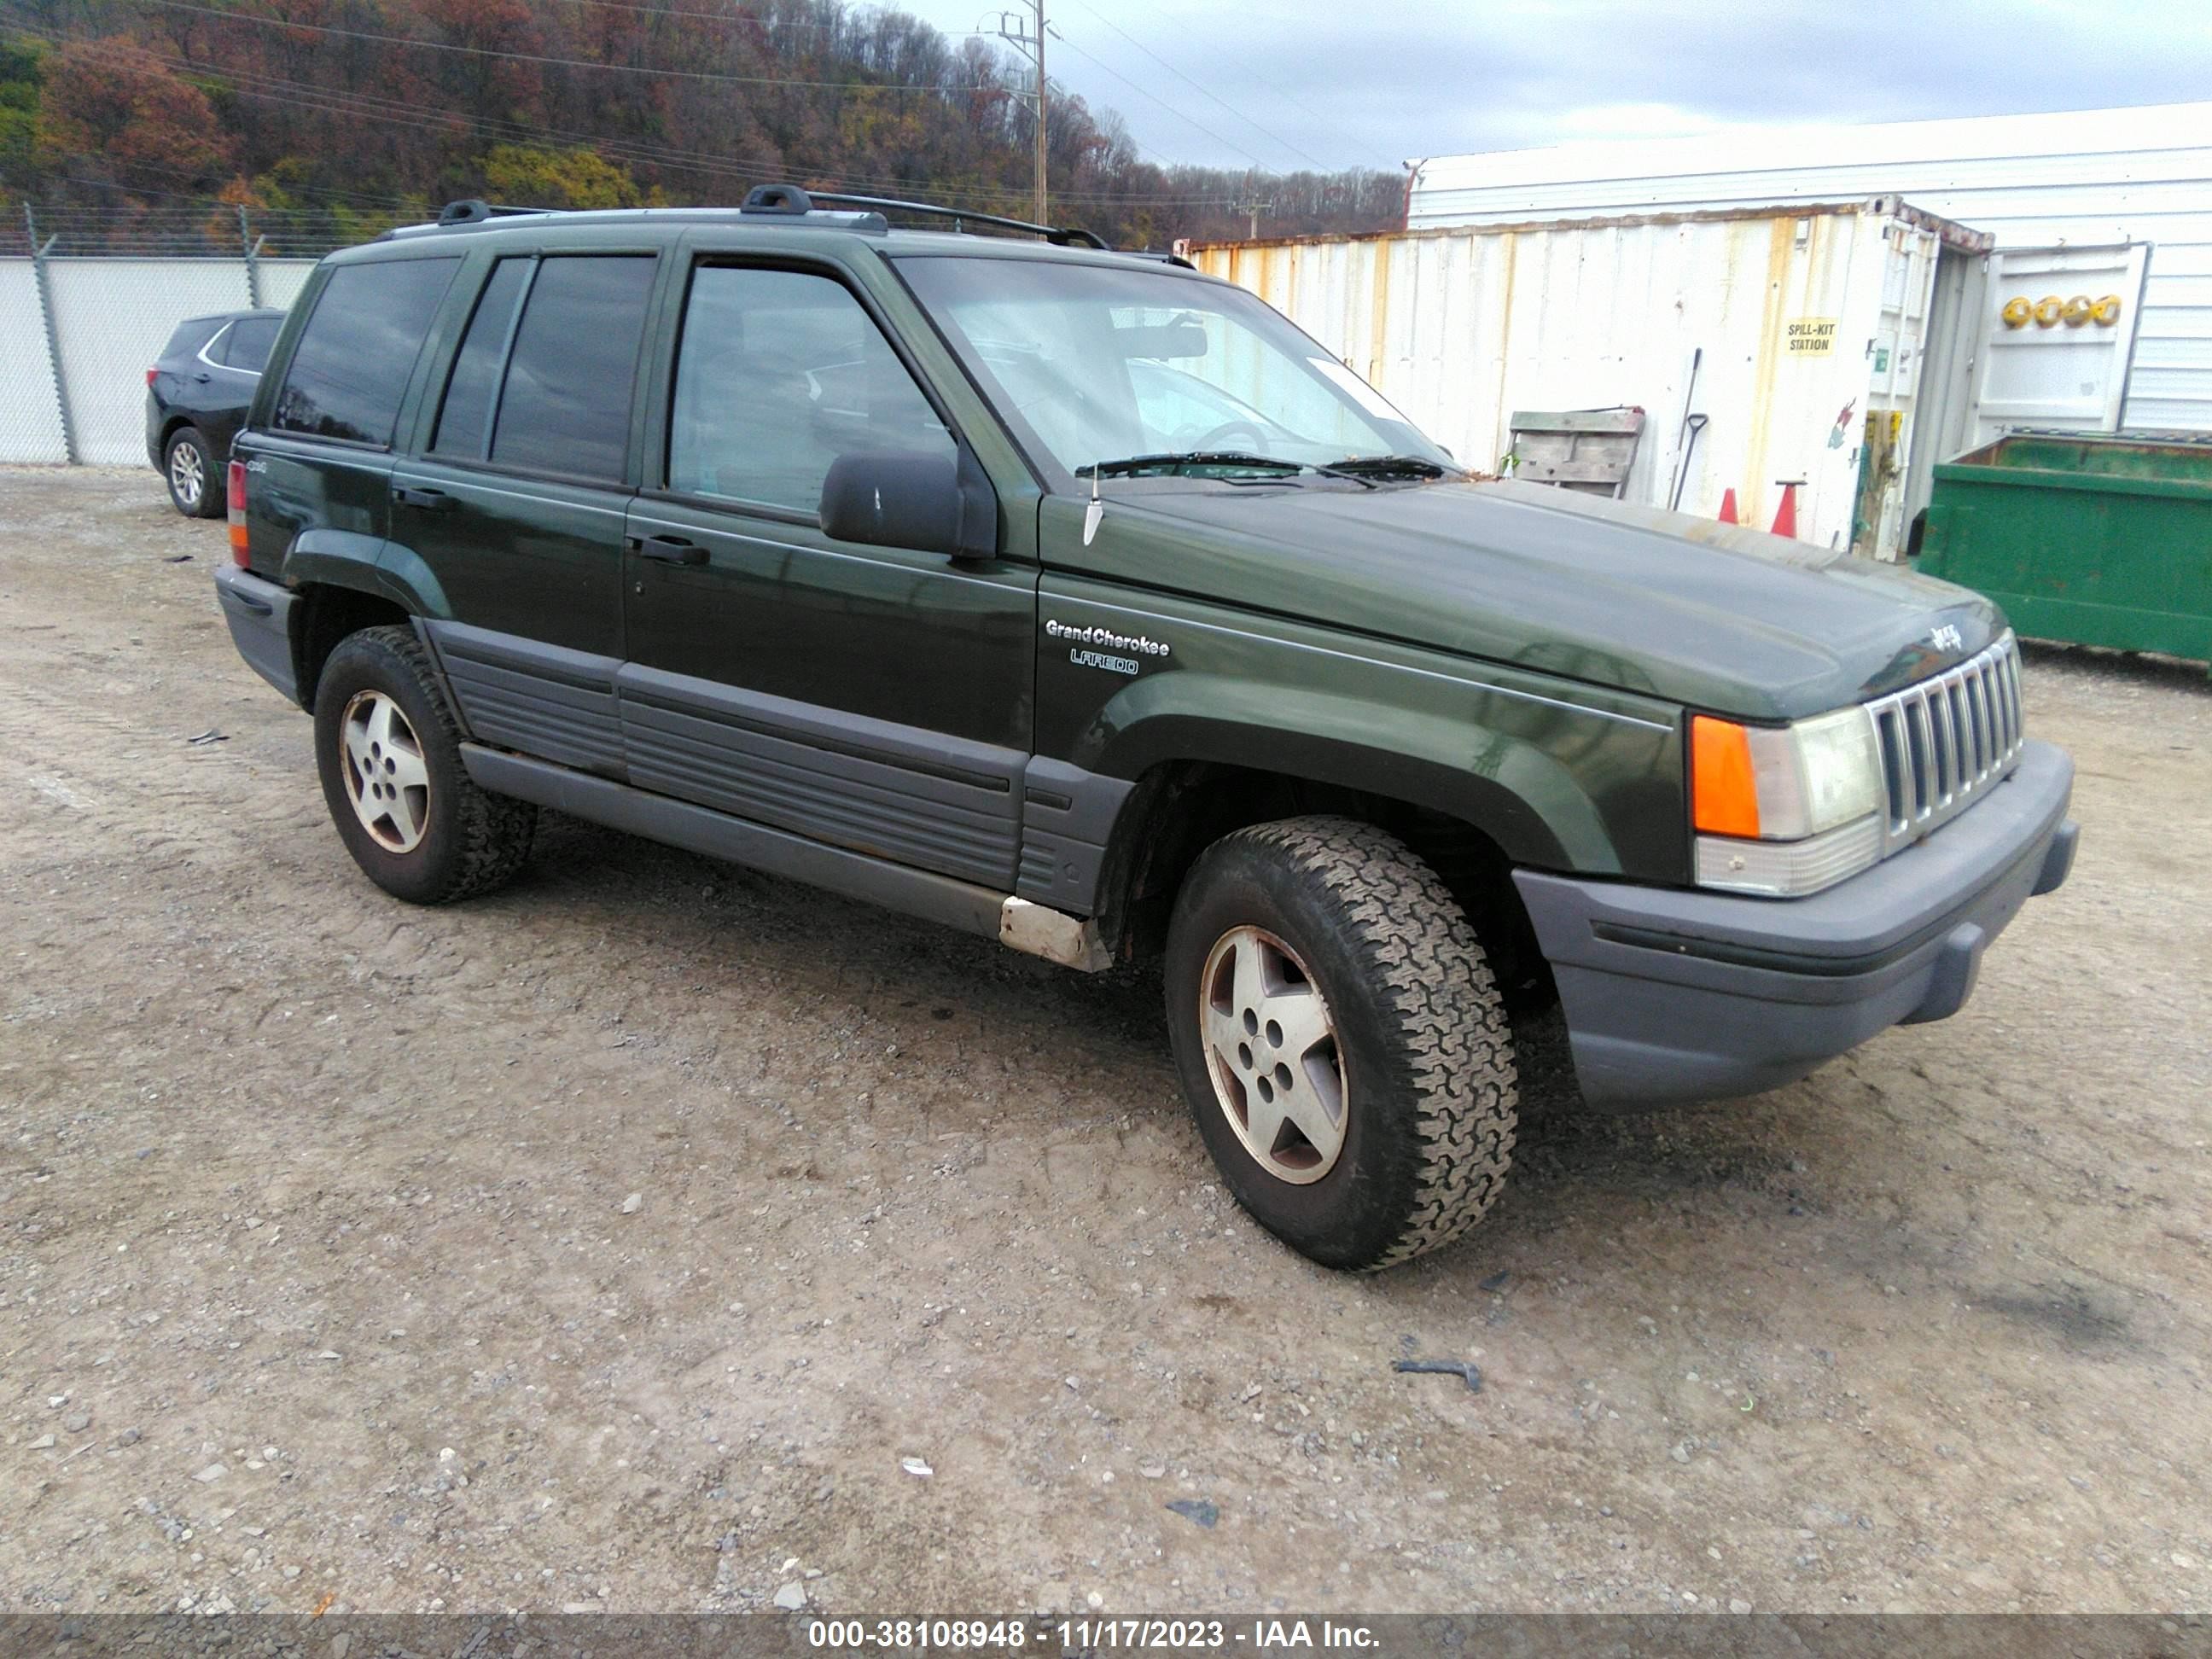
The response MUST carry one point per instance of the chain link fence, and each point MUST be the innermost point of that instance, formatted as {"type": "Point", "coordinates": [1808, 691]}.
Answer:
{"type": "Point", "coordinates": [89, 296]}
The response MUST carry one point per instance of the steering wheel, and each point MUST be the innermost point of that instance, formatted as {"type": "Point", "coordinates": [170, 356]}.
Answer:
{"type": "Point", "coordinates": [1234, 434]}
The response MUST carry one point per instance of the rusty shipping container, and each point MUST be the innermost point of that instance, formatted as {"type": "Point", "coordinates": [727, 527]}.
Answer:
{"type": "Point", "coordinates": [1819, 336]}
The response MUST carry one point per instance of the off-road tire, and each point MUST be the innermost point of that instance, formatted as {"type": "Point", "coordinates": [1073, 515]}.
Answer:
{"type": "Point", "coordinates": [213, 497]}
{"type": "Point", "coordinates": [1427, 1057]}
{"type": "Point", "coordinates": [475, 841]}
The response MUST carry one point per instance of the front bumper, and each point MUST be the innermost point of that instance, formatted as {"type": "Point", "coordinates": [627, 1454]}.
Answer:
{"type": "Point", "coordinates": [1674, 995]}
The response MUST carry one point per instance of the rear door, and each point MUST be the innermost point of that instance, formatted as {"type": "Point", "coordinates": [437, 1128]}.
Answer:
{"type": "Point", "coordinates": [232, 362]}
{"type": "Point", "coordinates": [513, 507]}
{"type": "Point", "coordinates": [877, 698]}
{"type": "Point", "coordinates": [323, 461]}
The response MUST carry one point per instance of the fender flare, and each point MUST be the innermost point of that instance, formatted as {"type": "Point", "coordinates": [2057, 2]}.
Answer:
{"type": "Point", "coordinates": [370, 564]}
{"type": "Point", "coordinates": [324, 557]}
{"type": "Point", "coordinates": [1484, 803]}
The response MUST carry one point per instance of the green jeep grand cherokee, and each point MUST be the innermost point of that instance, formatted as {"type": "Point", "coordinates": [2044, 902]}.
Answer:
{"type": "Point", "coordinates": [1072, 597]}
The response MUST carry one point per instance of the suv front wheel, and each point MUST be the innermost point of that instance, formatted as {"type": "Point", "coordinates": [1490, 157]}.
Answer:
{"type": "Point", "coordinates": [388, 748]}
{"type": "Point", "coordinates": [1341, 1039]}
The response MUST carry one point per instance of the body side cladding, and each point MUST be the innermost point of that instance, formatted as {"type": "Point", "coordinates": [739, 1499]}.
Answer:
{"type": "Point", "coordinates": [972, 908]}
{"type": "Point", "coordinates": [542, 699]}
{"type": "Point", "coordinates": [899, 792]}
{"type": "Point", "coordinates": [1068, 816]}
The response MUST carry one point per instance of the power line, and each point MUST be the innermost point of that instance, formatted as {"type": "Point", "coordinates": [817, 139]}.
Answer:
{"type": "Point", "coordinates": [1201, 90]}
{"type": "Point", "coordinates": [330, 101]}
{"type": "Point", "coordinates": [556, 63]}
{"type": "Point", "coordinates": [345, 104]}
{"type": "Point", "coordinates": [370, 106]}
{"type": "Point", "coordinates": [1184, 115]}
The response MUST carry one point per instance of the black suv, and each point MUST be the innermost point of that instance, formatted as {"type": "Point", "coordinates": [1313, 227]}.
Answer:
{"type": "Point", "coordinates": [197, 395]}
{"type": "Point", "coordinates": [1075, 598]}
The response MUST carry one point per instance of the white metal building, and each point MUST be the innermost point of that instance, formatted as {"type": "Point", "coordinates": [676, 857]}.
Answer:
{"type": "Point", "coordinates": [2078, 180]}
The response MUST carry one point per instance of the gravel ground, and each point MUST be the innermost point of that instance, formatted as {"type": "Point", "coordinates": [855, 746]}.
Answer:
{"type": "Point", "coordinates": [655, 1235]}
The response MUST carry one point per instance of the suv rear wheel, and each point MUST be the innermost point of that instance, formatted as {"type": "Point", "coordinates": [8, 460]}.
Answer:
{"type": "Point", "coordinates": [190, 469]}
{"type": "Point", "coordinates": [389, 751]}
{"type": "Point", "coordinates": [1340, 1037]}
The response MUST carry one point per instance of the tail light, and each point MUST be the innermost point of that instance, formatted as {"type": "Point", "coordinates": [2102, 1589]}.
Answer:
{"type": "Point", "coordinates": [150, 374]}
{"type": "Point", "coordinates": [235, 492]}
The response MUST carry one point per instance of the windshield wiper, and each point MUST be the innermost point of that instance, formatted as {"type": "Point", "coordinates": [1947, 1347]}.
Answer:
{"type": "Point", "coordinates": [1178, 460]}
{"type": "Point", "coordinates": [1178, 463]}
{"type": "Point", "coordinates": [1386, 466]}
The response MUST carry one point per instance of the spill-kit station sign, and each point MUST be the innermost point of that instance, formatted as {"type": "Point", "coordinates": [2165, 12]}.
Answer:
{"type": "Point", "coordinates": [1810, 337]}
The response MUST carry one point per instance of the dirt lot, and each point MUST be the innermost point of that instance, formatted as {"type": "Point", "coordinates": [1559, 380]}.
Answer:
{"type": "Point", "coordinates": [320, 1283]}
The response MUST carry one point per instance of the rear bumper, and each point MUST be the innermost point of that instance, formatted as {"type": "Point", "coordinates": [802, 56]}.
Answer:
{"type": "Point", "coordinates": [259, 613]}
{"type": "Point", "coordinates": [1674, 995]}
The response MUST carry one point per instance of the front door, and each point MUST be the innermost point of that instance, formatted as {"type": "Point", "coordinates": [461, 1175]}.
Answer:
{"type": "Point", "coordinates": [876, 698]}
{"type": "Point", "coordinates": [515, 505]}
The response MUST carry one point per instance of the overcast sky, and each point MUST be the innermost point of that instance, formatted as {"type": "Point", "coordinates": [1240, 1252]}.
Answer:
{"type": "Point", "coordinates": [1297, 82]}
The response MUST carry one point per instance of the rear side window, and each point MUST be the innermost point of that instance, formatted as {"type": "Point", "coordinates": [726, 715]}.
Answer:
{"type": "Point", "coordinates": [350, 367]}
{"type": "Point", "coordinates": [246, 346]}
{"type": "Point", "coordinates": [465, 419]}
{"type": "Point", "coordinates": [191, 335]}
{"type": "Point", "coordinates": [565, 407]}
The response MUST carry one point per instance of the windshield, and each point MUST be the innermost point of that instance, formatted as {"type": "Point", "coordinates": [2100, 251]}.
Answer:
{"type": "Point", "coordinates": [1091, 365]}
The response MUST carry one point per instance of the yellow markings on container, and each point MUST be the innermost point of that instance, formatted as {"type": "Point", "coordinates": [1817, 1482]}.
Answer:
{"type": "Point", "coordinates": [1809, 336]}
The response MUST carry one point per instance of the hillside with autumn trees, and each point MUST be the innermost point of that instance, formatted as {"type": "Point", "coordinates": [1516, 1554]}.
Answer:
{"type": "Point", "coordinates": [332, 120]}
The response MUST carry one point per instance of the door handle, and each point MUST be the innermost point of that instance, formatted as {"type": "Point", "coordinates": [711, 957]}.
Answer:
{"type": "Point", "coordinates": [429, 500]}
{"type": "Point", "coordinates": [672, 549]}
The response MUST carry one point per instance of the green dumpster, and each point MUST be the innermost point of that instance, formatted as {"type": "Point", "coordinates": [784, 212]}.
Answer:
{"type": "Point", "coordinates": [2091, 540]}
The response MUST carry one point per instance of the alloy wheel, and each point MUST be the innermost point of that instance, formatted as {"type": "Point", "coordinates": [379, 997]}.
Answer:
{"type": "Point", "coordinates": [1271, 1050]}
{"type": "Point", "coordinates": [386, 779]}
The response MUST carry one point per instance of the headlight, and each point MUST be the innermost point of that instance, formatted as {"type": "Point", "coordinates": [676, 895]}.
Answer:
{"type": "Point", "coordinates": [1785, 810]}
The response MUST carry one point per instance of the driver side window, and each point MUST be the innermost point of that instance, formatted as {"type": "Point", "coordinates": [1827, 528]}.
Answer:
{"type": "Point", "coordinates": [779, 372]}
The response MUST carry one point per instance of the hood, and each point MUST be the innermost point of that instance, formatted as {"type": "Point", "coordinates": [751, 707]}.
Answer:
{"type": "Point", "coordinates": [1701, 614]}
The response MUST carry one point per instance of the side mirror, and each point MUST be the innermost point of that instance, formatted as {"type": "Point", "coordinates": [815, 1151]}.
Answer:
{"type": "Point", "coordinates": [904, 498]}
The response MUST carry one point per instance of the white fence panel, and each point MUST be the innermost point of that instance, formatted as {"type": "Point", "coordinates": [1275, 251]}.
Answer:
{"type": "Point", "coordinates": [281, 281]}
{"type": "Point", "coordinates": [114, 317]}
{"type": "Point", "coordinates": [30, 417]}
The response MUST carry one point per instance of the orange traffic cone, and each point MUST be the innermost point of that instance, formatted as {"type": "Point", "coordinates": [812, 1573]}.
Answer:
{"type": "Point", "coordinates": [1727, 508]}
{"type": "Point", "coordinates": [1785, 518]}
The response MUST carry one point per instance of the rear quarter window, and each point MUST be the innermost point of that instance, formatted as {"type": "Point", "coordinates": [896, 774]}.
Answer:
{"type": "Point", "coordinates": [350, 367]}
{"type": "Point", "coordinates": [246, 346]}
{"type": "Point", "coordinates": [191, 335]}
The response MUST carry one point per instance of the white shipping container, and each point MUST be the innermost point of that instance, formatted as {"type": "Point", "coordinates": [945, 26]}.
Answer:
{"type": "Point", "coordinates": [1806, 328]}
{"type": "Point", "coordinates": [2138, 181]}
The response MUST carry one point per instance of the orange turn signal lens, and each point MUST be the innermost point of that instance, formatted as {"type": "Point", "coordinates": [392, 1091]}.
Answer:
{"type": "Point", "coordinates": [1723, 793]}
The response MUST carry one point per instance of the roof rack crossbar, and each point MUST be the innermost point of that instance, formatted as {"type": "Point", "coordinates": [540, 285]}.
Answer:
{"type": "Point", "coordinates": [791, 199]}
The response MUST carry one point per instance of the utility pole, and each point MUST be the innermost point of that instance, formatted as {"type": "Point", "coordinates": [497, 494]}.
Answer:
{"type": "Point", "coordinates": [1254, 209]}
{"type": "Point", "coordinates": [1041, 162]}
{"type": "Point", "coordinates": [1026, 36]}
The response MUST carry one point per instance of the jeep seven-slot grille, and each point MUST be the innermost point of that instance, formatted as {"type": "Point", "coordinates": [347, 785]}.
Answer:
{"type": "Point", "coordinates": [1946, 740]}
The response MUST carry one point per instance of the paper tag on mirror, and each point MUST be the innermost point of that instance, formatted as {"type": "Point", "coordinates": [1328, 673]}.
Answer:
{"type": "Point", "coordinates": [1091, 514]}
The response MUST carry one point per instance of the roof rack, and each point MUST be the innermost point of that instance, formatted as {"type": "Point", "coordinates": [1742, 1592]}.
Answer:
{"type": "Point", "coordinates": [471, 210]}
{"type": "Point", "coordinates": [789, 200]}
{"type": "Point", "coordinates": [782, 201]}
